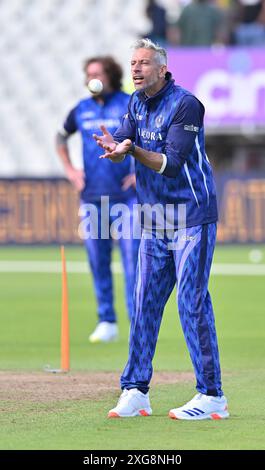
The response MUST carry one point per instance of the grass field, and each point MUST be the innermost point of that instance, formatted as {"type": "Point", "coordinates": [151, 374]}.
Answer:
{"type": "Point", "coordinates": [30, 304]}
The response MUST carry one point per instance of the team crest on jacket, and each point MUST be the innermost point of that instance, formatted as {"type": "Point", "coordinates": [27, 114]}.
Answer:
{"type": "Point", "coordinates": [159, 120]}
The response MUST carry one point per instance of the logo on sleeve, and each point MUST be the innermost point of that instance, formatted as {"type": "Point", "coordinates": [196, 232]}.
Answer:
{"type": "Point", "coordinates": [191, 128]}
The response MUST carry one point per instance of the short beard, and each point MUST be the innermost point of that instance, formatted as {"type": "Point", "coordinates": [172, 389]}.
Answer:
{"type": "Point", "coordinates": [145, 87]}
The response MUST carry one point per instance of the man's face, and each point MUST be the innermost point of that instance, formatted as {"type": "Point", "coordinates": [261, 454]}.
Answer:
{"type": "Point", "coordinates": [147, 74]}
{"type": "Point", "coordinates": [96, 70]}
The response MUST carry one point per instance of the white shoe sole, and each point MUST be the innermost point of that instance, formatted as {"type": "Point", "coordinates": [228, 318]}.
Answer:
{"type": "Point", "coordinates": [100, 340]}
{"type": "Point", "coordinates": [214, 415]}
{"type": "Point", "coordinates": [143, 412]}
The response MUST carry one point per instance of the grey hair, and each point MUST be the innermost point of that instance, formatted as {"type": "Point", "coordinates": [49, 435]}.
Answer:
{"type": "Point", "coordinates": [146, 43]}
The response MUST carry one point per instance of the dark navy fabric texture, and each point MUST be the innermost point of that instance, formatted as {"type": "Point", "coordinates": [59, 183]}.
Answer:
{"type": "Point", "coordinates": [99, 252]}
{"type": "Point", "coordinates": [171, 123]}
{"type": "Point", "coordinates": [159, 269]}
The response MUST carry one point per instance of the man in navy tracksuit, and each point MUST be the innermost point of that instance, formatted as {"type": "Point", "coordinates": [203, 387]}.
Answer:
{"type": "Point", "coordinates": [163, 130]}
{"type": "Point", "coordinates": [109, 183]}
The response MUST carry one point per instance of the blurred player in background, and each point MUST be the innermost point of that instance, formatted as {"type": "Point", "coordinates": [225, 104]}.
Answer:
{"type": "Point", "coordinates": [94, 181]}
{"type": "Point", "coordinates": [164, 131]}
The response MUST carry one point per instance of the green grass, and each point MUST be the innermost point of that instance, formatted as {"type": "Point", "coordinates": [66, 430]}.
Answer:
{"type": "Point", "coordinates": [30, 338]}
{"type": "Point", "coordinates": [83, 424]}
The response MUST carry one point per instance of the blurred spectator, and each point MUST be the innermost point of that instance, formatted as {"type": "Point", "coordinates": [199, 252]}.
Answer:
{"type": "Point", "coordinates": [157, 15]}
{"type": "Point", "coordinates": [99, 179]}
{"type": "Point", "coordinates": [201, 23]}
{"type": "Point", "coordinates": [250, 23]}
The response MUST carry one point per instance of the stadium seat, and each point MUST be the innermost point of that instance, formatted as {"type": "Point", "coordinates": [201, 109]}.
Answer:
{"type": "Point", "coordinates": [42, 48]}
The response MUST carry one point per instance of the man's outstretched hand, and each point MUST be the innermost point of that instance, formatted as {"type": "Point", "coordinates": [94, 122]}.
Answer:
{"type": "Point", "coordinates": [114, 151]}
{"type": "Point", "coordinates": [105, 138]}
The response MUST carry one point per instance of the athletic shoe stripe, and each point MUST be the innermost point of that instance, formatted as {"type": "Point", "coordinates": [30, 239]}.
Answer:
{"type": "Point", "coordinates": [194, 411]}
{"type": "Point", "coordinates": [198, 409]}
{"type": "Point", "coordinates": [188, 413]}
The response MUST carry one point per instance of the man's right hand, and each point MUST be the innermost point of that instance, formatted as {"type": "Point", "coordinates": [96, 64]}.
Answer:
{"type": "Point", "coordinates": [76, 177]}
{"type": "Point", "coordinates": [104, 139]}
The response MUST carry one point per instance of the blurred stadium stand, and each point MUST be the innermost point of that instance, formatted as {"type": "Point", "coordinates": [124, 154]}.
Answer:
{"type": "Point", "coordinates": [42, 47]}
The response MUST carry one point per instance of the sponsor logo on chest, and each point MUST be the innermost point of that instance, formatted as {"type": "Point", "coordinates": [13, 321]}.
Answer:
{"type": "Point", "coordinates": [150, 135]}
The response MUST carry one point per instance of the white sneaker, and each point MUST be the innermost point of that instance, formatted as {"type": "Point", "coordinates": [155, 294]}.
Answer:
{"type": "Point", "coordinates": [202, 407]}
{"type": "Point", "coordinates": [104, 333]}
{"type": "Point", "coordinates": [131, 403]}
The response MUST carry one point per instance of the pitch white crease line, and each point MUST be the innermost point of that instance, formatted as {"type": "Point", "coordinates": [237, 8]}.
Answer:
{"type": "Point", "coordinates": [220, 269]}
{"type": "Point", "coordinates": [79, 267]}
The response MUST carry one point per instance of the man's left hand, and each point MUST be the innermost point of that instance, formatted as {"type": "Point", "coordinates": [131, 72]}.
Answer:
{"type": "Point", "coordinates": [128, 181]}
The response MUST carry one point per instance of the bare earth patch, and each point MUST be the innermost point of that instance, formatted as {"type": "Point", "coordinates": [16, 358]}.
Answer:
{"type": "Point", "coordinates": [44, 387]}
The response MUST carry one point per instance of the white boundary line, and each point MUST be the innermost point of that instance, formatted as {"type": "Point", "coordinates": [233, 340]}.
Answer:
{"type": "Point", "coordinates": [79, 267]}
